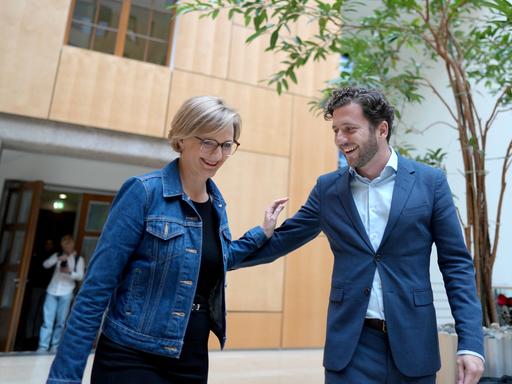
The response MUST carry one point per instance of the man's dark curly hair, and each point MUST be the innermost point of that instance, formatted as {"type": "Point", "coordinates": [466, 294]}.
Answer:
{"type": "Point", "coordinates": [375, 106]}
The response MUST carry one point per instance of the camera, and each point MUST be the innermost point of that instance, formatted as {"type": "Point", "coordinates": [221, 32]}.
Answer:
{"type": "Point", "coordinates": [64, 264]}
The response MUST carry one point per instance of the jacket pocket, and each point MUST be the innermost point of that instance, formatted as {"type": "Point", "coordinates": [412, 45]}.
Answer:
{"type": "Point", "coordinates": [136, 291]}
{"type": "Point", "coordinates": [423, 297]}
{"type": "Point", "coordinates": [417, 210]}
{"type": "Point", "coordinates": [336, 296]}
{"type": "Point", "coordinates": [164, 236]}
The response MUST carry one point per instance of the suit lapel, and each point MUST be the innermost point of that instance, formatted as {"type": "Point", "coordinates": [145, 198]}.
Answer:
{"type": "Point", "coordinates": [347, 201]}
{"type": "Point", "coordinates": [403, 185]}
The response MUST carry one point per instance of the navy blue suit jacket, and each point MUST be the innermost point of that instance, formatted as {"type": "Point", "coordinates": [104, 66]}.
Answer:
{"type": "Point", "coordinates": [422, 212]}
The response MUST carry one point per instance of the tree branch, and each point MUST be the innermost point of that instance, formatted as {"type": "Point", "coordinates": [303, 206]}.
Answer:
{"type": "Point", "coordinates": [495, 111]}
{"type": "Point", "coordinates": [436, 92]}
{"type": "Point", "coordinates": [506, 165]}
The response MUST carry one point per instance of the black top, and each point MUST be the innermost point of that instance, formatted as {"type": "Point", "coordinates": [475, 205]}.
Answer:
{"type": "Point", "coordinates": [211, 268]}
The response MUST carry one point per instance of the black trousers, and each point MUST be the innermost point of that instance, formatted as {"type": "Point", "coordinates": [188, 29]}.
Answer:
{"type": "Point", "coordinates": [115, 363]}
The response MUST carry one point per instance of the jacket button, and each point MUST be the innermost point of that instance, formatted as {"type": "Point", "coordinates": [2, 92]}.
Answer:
{"type": "Point", "coordinates": [172, 349]}
{"type": "Point", "coordinates": [367, 291]}
{"type": "Point", "coordinates": [378, 257]}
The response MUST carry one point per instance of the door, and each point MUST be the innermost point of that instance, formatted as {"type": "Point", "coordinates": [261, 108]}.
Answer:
{"type": "Point", "coordinates": [21, 202]}
{"type": "Point", "coordinates": [93, 214]}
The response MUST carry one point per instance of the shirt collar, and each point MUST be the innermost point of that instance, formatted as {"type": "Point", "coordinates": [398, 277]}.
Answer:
{"type": "Point", "coordinates": [390, 167]}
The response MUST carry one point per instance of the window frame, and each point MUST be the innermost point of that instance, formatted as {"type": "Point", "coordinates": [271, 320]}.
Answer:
{"type": "Point", "coordinates": [122, 31]}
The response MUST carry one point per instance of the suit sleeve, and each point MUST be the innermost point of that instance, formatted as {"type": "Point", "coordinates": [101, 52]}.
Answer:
{"type": "Point", "coordinates": [457, 269]}
{"type": "Point", "coordinates": [296, 231]}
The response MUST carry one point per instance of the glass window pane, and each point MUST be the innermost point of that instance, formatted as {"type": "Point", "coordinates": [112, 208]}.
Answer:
{"type": "Point", "coordinates": [80, 35]}
{"type": "Point", "coordinates": [138, 21]}
{"type": "Point", "coordinates": [96, 216]}
{"type": "Point", "coordinates": [162, 4]}
{"type": "Point", "coordinates": [4, 245]}
{"type": "Point", "coordinates": [26, 203]}
{"type": "Point", "coordinates": [88, 247]}
{"type": "Point", "coordinates": [142, 3]}
{"type": "Point", "coordinates": [108, 15]}
{"type": "Point", "coordinates": [11, 211]}
{"type": "Point", "coordinates": [134, 47]}
{"type": "Point", "coordinates": [160, 25]}
{"type": "Point", "coordinates": [104, 40]}
{"type": "Point", "coordinates": [85, 10]}
{"type": "Point", "coordinates": [157, 52]}
{"type": "Point", "coordinates": [17, 248]}
{"type": "Point", "coordinates": [8, 289]}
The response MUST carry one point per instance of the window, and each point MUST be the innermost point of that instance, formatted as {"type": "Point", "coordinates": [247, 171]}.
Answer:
{"type": "Point", "coordinates": [136, 29]}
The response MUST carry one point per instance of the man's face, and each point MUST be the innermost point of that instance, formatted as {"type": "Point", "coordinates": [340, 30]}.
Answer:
{"type": "Point", "coordinates": [354, 136]}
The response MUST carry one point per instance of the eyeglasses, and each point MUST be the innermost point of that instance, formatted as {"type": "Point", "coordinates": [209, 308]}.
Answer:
{"type": "Point", "coordinates": [209, 146]}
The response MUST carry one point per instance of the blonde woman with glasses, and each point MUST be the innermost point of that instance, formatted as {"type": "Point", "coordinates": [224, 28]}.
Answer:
{"type": "Point", "coordinates": [159, 268]}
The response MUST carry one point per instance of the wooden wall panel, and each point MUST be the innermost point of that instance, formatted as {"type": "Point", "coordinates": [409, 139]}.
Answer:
{"type": "Point", "coordinates": [202, 45]}
{"type": "Point", "coordinates": [110, 92]}
{"type": "Point", "coordinates": [253, 330]}
{"type": "Point", "coordinates": [266, 117]}
{"type": "Point", "coordinates": [249, 63]}
{"type": "Point", "coordinates": [249, 182]}
{"type": "Point", "coordinates": [313, 151]}
{"type": "Point", "coordinates": [32, 33]}
{"type": "Point", "coordinates": [307, 283]}
{"type": "Point", "coordinates": [313, 76]}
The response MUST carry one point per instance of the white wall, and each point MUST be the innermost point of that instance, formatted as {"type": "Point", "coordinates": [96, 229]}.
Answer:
{"type": "Point", "coordinates": [432, 111]}
{"type": "Point", "coordinates": [65, 171]}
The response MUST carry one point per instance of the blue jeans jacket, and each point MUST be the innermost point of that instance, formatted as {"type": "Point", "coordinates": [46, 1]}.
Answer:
{"type": "Point", "coordinates": [144, 273]}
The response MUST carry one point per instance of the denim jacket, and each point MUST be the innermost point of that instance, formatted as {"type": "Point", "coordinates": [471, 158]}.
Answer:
{"type": "Point", "coordinates": [144, 273]}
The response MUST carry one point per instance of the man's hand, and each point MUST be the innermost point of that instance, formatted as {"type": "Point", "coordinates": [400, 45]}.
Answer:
{"type": "Point", "coordinates": [470, 369]}
{"type": "Point", "coordinates": [271, 214]}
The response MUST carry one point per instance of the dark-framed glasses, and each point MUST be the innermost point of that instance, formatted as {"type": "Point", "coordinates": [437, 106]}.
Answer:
{"type": "Point", "coordinates": [209, 146]}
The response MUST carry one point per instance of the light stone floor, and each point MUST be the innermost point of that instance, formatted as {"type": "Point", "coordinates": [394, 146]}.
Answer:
{"type": "Point", "coordinates": [228, 367]}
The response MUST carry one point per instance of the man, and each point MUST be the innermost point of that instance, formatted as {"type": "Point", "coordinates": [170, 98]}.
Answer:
{"type": "Point", "coordinates": [381, 214]}
{"type": "Point", "coordinates": [69, 268]}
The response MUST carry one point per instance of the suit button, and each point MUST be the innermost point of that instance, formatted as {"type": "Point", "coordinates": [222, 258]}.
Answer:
{"type": "Point", "coordinates": [378, 257]}
{"type": "Point", "coordinates": [367, 291]}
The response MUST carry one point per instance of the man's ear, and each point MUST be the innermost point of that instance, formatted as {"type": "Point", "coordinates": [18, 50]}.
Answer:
{"type": "Point", "coordinates": [383, 129]}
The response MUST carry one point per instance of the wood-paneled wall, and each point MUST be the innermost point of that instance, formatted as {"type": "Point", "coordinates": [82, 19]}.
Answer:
{"type": "Point", "coordinates": [285, 146]}
{"type": "Point", "coordinates": [110, 92]}
{"type": "Point", "coordinates": [32, 33]}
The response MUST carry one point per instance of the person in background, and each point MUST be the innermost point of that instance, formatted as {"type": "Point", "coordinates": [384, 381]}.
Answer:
{"type": "Point", "coordinates": [69, 268]}
{"type": "Point", "coordinates": [160, 264]}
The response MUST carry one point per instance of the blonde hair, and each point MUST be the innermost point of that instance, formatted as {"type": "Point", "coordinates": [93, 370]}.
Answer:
{"type": "Point", "coordinates": [202, 115]}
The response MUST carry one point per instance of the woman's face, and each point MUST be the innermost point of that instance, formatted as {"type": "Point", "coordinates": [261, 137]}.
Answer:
{"type": "Point", "coordinates": [198, 160]}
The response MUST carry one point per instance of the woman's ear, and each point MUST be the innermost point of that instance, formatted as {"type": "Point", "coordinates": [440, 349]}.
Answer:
{"type": "Point", "coordinates": [180, 145]}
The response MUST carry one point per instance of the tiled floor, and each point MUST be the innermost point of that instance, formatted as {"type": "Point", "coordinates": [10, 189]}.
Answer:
{"type": "Point", "coordinates": [228, 367]}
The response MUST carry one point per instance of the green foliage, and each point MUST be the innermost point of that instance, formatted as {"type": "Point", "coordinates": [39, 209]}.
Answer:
{"type": "Point", "coordinates": [379, 39]}
{"type": "Point", "coordinates": [391, 43]}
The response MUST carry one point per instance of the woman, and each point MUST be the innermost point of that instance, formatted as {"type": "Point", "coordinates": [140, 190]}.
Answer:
{"type": "Point", "coordinates": [160, 264]}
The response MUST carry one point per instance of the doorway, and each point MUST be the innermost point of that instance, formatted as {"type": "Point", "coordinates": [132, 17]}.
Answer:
{"type": "Point", "coordinates": [53, 212]}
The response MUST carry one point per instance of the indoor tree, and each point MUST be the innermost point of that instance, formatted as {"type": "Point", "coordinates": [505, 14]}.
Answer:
{"type": "Point", "coordinates": [391, 45]}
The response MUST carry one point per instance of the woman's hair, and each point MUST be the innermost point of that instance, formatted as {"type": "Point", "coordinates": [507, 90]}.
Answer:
{"type": "Point", "coordinates": [202, 116]}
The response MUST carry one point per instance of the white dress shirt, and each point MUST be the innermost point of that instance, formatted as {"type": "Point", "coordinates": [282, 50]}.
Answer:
{"type": "Point", "coordinates": [63, 283]}
{"type": "Point", "coordinates": [373, 202]}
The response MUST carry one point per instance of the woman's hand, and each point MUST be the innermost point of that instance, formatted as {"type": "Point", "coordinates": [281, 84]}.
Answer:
{"type": "Point", "coordinates": [271, 215]}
